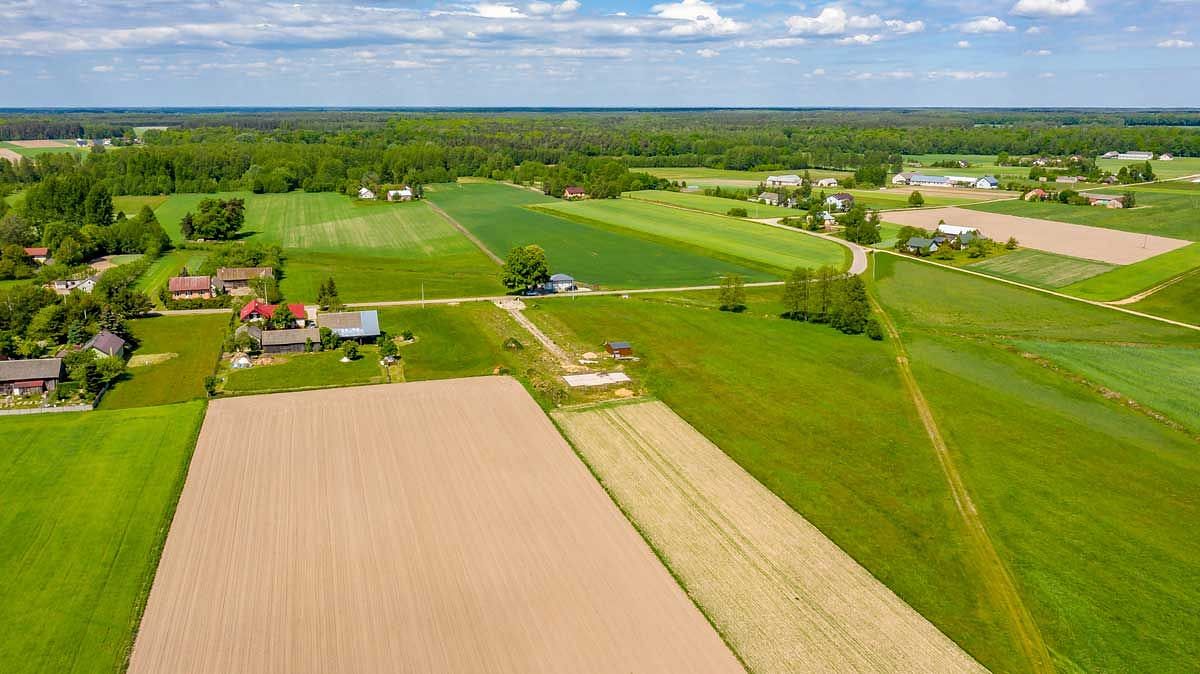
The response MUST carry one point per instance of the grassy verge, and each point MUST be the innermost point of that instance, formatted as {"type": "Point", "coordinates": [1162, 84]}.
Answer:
{"type": "Point", "coordinates": [174, 355]}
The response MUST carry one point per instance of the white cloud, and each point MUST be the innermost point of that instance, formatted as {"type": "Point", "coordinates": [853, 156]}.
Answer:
{"type": "Point", "coordinates": [966, 75]}
{"type": "Point", "coordinates": [772, 43]}
{"type": "Point", "coordinates": [102, 69]}
{"type": "Point", "coordinates": [696, 17]}
{"type": "Point", "coordinates": [818, 72]}
{"type": "Point", "coordinates": [4, 72]}
{"type": "Point", "coordinates": [861, 38]}
{"type": "Point", "coordinates": [1038, 52]}
{"type": "Point", "coordinates": [1046, 76]}
{"type": "Point", "coordinates": [543, 8]}
{"type": "Point", "coordinates": [1131, 29]}
{"type": "Point", "coordinates": [1050, 7]}
{"type": "Point", "coordinates": [834, 20]}
{"type": "Point", "coordinates": [575, 52]}
{"type": "Point", "coordinates": [886, 75]}
{"type": "Point", "coordinates": [489, 10]}
{"type": "Point", "coordinates": [985, 24]}
{"type": "Point", "coordinates": [962, 44]}
{"type": "Point", "coordinates": [1035, 30]}
{"type": "Point", "coordinates": [904, 27]}
{"type": "Point", "coordinates": [1176, 44]}
{"type": "Point", "coordinates": [405, 64]}
{"type": "Point", "coordinates": [708, 53]}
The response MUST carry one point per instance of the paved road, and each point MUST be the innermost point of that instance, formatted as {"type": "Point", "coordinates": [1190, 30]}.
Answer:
{"type": "Point", "coordinates": [858, 263]}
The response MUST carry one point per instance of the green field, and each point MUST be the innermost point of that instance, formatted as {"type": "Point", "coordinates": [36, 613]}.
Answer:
{"type": "Point", "coordinates": [162, 269]}
{"type": "Point", "coordinates": [1046, 270]}
{"type": "Point", "coordinates": [375, 251]}
{"type": "Point", "coordinates": [1171, 212]}
{"type": "Point", "coordinates": [756, 243]}
{"type": "Point", "coordinates": [35, 151]}
{"type": "Point", "coordinates": [1179, 301]}
{"type": "Point", "coordinates": [187, 348]}
{"type": "Point", "coordinates": [1131, 279]}
{"type": "Point", "coordinates": [897, 197]}
{"type": "Point", "coordinates": [293, 372]}
{"type": "Point", "coordinates": [717, 205]}
{"type": "Point", "coordinates": [600, 257]}
{"type": "Point", "coordinates": [87, 498]}
{"type": "Point", "coordinates": [699, 175]}
{"type": "Point", "coordinates": [1176, 168]}
{"type": "Point", "coordinates": [982, 165]}
{"type": "Point", "coordinates": [130, 205]}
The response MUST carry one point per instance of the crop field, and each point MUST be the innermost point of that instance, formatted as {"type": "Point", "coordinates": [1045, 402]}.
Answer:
{"type": "Point", "coordinates": [717, 205]}
{"type": "Point", "coordinates": [894, 198]}
{"type": "Point", "coordinates": [1179, 301]}
{"type": "Point", "coordinates": [375, 251]}
{"type": "Point", "coordinates": [9, 154]}
{"type": "Point", "coordinates": [383, 552]}
{"type": "Point", "coordinates": [33, 148]}
{"type": "Point", "coordinates": [498, 216]}
{"type": "Point", "coordinates": [1176, 168]}
{"type": "Point", "coordinates": [980, 165]}
{"type": "Point", "coordinates": [1125, 281]}
{"type": "Point", "coordinates": [1046, 270]}
{"type": "Point", "coordinates": [699, 175]}
{"type": "Point", "coordinates": [786, 597]}
{"type": "Point", "coordinates": [130, 205]}
{"type": "Point", "coordinates": [87, 499]}
{"type": "Point", "coordinates": [174, 355]}
{"type": "Point", "coordinates": [760, 244]}
{"type": "Point", "coordinates": [1075, 240]}
{"type": "Point", "coordinates": [1095, 539]}
{"type": "Point", "coordinates": [1170, 212]}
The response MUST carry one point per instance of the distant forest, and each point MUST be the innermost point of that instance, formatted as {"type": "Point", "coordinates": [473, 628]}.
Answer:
{"type": "Point", "coordinates": [337, 150]}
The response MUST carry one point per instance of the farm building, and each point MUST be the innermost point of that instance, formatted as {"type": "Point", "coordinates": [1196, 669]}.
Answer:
{"type": "Point", "coordinates": [193, 287]}
{"type": "Point", "coordinates": [1136, 155]}
{"type": "Point", "coordinates": [104, 344]}
{"type": "Point", "coordinates": [574, 193]}
{"type": "Point", "coordinates": [619, 349]}
{"type": "Point", "coordinates": [403, 194]}
{"type": "Point", "coordinates": [253, 331]}
{"type": "Point", "coordinates": [920, 246]}
{"type": "Point", "coordinates": [826, 218]}
{"type": "Point", "coordinates": [955, 236]}
{"type": "Point", "coordinates": [1104, 200]}
{"type": "Point", "coordinates": [1166, 156]}
{"type": "Point", "coordinates": [987, 183]}
{"type": "Point", "coordinates": [922, 180]}
{"type": "Point", "coordinates": [1036, 194]}
{"type": "Point", "coordinates": [359, 325]}
{"type": "Point", "coordinates": [1067, 180]}
{"type": "Point", "coordinates": [902, 178]}
{"type": "Point", "coordinates": [560, 283]}
{"type": "Point", "coordinates": [293, 340]}
{"type": "Point", "coordinates": [787, 180]}
{"type": "Point", "coordinates": [39, 255]}
{"type": "Point", "coordinates": [236, 280]}
{"type": "Point", "coordinates": [64, 286]}
{"type": "Point", "coordinates": [261, 311]}
{"type": "Point", "coordinates": [842, 201]}
{"type": "Point", "coordinates": [364, 193]}
{"type": "Point", "coordinates": [23, 377]}
{"type": "Point", "coordinates": [962, 181]}
{"type": "Point", "coordinates": [769, 198]}
{"type": "Point", "coordinates": [1113, 154]}
{"type": "Point", "coordinates": [827, 182]}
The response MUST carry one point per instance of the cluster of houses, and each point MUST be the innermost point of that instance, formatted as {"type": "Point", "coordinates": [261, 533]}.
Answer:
{"type": "Point", "coordinates": [231, 280]}
{"type": "Point", "coordinates": [842, 201]}
{"type": "Point", "coordinates": [359, 326]}
{"type": "Point", "coordinates": [1102, 200]}
{"type": "Point", "coordinates": [954, 236]}
{"type": "Point", "coordinates": [1136, 155]}
{"type": "Point", "coordinates": [922, 180]}
{"type": "Point", "coordinates": [404, 193]}
{"type": "Point", "coordinates": [793, 180]}
{"type": "Point", "coordinates": [36, 376]}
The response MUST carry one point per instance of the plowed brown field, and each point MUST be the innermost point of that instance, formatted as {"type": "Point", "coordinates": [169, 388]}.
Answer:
{"type": "Point", "coordinates": [431, 527]}
{"type": "Point", "coordinates": [785, 597]}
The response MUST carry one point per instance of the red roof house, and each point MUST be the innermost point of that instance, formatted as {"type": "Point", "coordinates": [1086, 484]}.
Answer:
{"type": "Point", "coordinates": [258, 310]}
{"type": "Point", "coordinates": [39, 255]}
{"type": "Point", "coordinates": [574, 193]}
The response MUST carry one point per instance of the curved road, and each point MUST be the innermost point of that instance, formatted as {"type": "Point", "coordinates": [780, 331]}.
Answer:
{"type": "Point", "coordinates": [858, 262]}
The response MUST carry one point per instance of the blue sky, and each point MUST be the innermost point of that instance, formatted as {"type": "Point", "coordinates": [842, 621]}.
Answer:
{"type": "Point", "coordinates": [593, 53]}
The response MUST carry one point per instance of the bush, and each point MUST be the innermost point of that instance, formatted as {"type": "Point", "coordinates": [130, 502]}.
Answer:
{"type": "Point", "coordinates": [874, 330]}
{"type": "Point", "coordinates": [210, 385]}
{"type": "Point", "coordinates": [350, 351]}
{"type": "Point", "coordinates": [1011, 244]}
{"type": "Point", "coordinates": [737, 212]}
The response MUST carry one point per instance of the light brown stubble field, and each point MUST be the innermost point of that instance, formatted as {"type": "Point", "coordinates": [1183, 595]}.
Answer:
{"type": "Point", "coordinates": [785, 597]}
{"type": "Point", "coordinates": [34, 144]}
{"type": "Point", "coordinates": [430, 527]}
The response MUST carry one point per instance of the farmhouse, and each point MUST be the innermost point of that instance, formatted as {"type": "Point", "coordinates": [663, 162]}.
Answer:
{"type": "Point", "coordinates": [261, 311]}
{"type": "Point", "coordinates": [1137, 155]}
{"type": "Point", "coordinates": [619, 350]}
{"type": "Point", "coordinates": [902, 178]}
{"type": "Point", "coordinates": [23, 377]}
{"type": "Point", "coordinates": [955, 236]}
{"type": "Point", "coordinates": [192, 287]}
{"type": "Point", "coordinates": [842, 201]}
{"type": "Point", "coordinates": [1036, 194]}
{"type": "Point", "coordinates": [360, 325]}
{"type": "Point", "coordinates": [827, 182]}
{"type": "Point", "coordinates": [403, 194]}
{"type": "Point", "coordinates": [574, 193]}
{"type": "Point", "coordinates": [105, 344]}
{"type": "Point", "coordinates": [788, 180]}
{"type": "Point", "coordinates": [1068, 180]}
{"type": "Point", "coordinates": [560, 283]}
{"type": "Point", "coordinates": [769, 198]}
{"type": "Point", "coordinates": [64, 286]}
{"type": "Point", "coordinates": [1166, 156]}
{"type": "Point", "coordinates": [293, 340]}
{"type": "Point", "coordinates": [39, 255]}
{"type": "Point", "coordinates": [364, 193]}
{"type": "Point", "coordinates": [236, 280]}
{"type": "Point", "coordinates": [921, 246]}
{"type": "Point", "coordinates": [987, 183]}
{"type": "Point", "coordinates": [1104, 200]}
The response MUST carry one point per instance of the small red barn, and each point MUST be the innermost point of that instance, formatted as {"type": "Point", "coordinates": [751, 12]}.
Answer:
{"type": "Point", "coordinates": [619, 349]}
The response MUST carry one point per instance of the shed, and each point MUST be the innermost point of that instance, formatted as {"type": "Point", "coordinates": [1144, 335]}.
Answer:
{"type": "Point", "coordinates": [559, 283]}
{"type": "Point", "coordinates": [619, 349]}
{"type": "Point", "coordinates": [359, 325]}
{"type": "Point", "coordinates": [238, 278]}
{"type": "Point", "coordinates": [292, 340]}
{"type": "Point", "coordinates": [105, 344]}
{"type": "Point", "coordinates": [191, 287]}
{"type": "Point", "coordinates": [22, 377]}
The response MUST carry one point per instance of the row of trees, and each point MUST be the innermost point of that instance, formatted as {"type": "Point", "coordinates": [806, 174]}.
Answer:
{"type": "Point", "coordinates": [823, 296]}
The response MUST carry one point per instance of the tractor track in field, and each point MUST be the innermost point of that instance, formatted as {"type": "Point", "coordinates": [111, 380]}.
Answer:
{"type": "Point", "coordinates": [464, 231]}
{"type": "Point", "coordinates": [998, 581]}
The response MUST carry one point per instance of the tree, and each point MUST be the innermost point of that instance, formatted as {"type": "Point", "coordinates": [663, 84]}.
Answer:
{"type": "Point", "coordinates": [526, 267]}
{"type": "Point", "coordinates": [186, 226]}
{"type": "Point", "coordinates": [874, 330]}
{"type": "Point", "coordinates": [282, 319]}
{"type": "Point", "coordinates": [736, 212]}
{"type": "Point", "coordinates": [916, 199]}
{"type": "Point", "coordinates": [98, 206]}
{"type": "Point", "coordinates": [109, 369]}
{"type": "Point", "coordinates": [387, 347]}
{"type": "Point", "coordinates": [1011, 244]}
{"type": "Point", "coordinates": [219, 219]}
{"type": "Point", "coordinates": [822, 297]}
{"type": "Point", "coordinates": [329, 339]}
{"type": "Point", "coordinates": [350, 351]}
{"type": "Point", "coordinates": [851, 309]}
{"type": "Point", "coordinates": [1128, 200]}
{"type": "Point", "coordinates": [732, 296]}
{"type": "Point", "coordinates": [210, 385]}
{"type": "Point", "coordinates": [327, 296]}
{"type": "Point", "coordinates": [796, 294]}
{"type": "Point", "coordinates": [266, 288]}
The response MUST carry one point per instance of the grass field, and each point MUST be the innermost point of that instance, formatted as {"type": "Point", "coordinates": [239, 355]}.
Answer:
{"type": "Point", "coordinates": [759, 244]}
{"type": "Point", "coordinates": [375, 251]}
{"type": "Point", "coordinates": [897, 197]}
{"type": "Point", "coordinates": [1178, 167]}
{"type": "Point", "coordinates": [717, 205]}
{"type": "Point", "coordinates": [600, 257]}
{"type": "Point", "coordinates": [35, 151]}
{"type": "Point", "coordinates": [1042, 269]}
{"type": "Point", "coordinates": [162, 269]}
{"type": "Point", "coordinates": [1179, 301]}
{"type": "Point", "coordinates": [699, 175]}
{"type": "Point", "coordinates": [982, 165]}
{"type": "Point", "coordinates": [1173, 212]}
{"type": "Point", "coordinates": [131, 205]}
{"type": "Point", "coordinates": [181, 351]}
{"type": "Point", "coordinates": [87, 499]}
{"type": "Point", "coordinates": [1131, 279]}
{"type": "Point", "coordinates": [1096, 537]}
{"type": "Point", "coordinates": [292, 372]}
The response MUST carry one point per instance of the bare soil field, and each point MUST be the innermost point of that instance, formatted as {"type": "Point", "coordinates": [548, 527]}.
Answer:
{"type": "Point", "coordinates": [783, 595]}
{"type": "Point", "coordinates": [432, 527]}
{"type": "Point", "coordinates": [32, 144]}
{"type": "Point", "coordinates": [10, 155]}
{"type": "Point", "coordinates": [1092, 243]}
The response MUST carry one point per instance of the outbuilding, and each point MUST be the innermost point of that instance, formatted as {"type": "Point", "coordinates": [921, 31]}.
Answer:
{"type": "Point", "coordinates": [921, 246]}
{"type": "Point", "coordinates": [619, 350]}
{"type": "Point", "coordinates": [365, 193]}
{"type": "Point", "coordinates": [574, 193]}
{"type": "Point", "coordinates": [827, 182]}
{"type": "Point", "coordinates": [39, 255]}
{"type": "Point", "coordinates": [787, 180]}
{"type": "Point", "coordinates": [105, 344]}
{"type": "Point", "coordinates": [769, 198]}
{"type": "Point", "coordinates": [293, 340]}
{"type": "Point", "coordinates": [236, 280]}
{"type": "Point", "coordinates": [561, 283]}
{"type": "Point", "coordinates": [25, 377]}
{"type": "Point", "coordinates": [192, 287]}
{"type": "Point", "coordinates": [357, 325]}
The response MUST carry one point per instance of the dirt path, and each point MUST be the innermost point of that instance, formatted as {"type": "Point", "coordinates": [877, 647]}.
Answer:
{"type": "Point", "coordinates": [464, 231]}
{"type": "Point", "coordinates": [514, 307]}
{"type": "Point", "coordinates": [998, 580]}
{"type": "Point", "coordinates": [1165, 284]}
{"type": "Point", "coordinates": [590, 293]}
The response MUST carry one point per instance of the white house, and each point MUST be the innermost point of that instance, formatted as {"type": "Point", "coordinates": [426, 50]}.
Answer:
{"type": "Point", "coordinates": [769, 198]}
{"type": "Point", "coordinates": [987, 183]}
{"type": "Point", "coordinates": [1136, 155]}
{"type": "Point", "coordinates": [902, 178]}
{"type": "Point", "coordinates": [827, 182]}
{"type": "Point", "coordinates": [402, 194]}
{"type": "Point", "coordinates": [788, 180]}
{"type": "Point", "coordinates": [1166, 156]}
{"type": "Point", "coordinates": [364, 193]}
{"type": "Point", "coordinates": [842, 201]}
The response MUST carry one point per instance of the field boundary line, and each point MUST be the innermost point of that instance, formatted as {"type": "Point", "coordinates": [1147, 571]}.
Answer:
{"type": "Point", "coordinates": [464, 231]}
{"type": "Point", "coordinates": [997, 578]}
{"type": "Point", "coordinates": [1138, 297]}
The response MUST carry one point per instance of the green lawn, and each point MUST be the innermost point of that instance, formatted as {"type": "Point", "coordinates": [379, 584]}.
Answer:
{"type": "Point", "coordinates": [307, 370]}
{"type": "Point", "coordinates": [1131, 279]}
{"type": "Point", "coordinates": [1046, 270]}
{"type": "Point", "coordinates": [375, 250]}
{"type": "Point", "coordinates": [1180, 301]}
{"type": "Point", "coordinates": [187, 348]}
{"type": "Point", "coordinates": [87, 498]}
{"type": "Point", "coordinates": [1172, 212]}
{"type": "Point", "coordinates": [1086, 498]}
{"type": "Point", "coordinates": [759, 244]}
{"type": "Point", "coordinates": [601, 257]}
{"type": "Point", "coordinates": [897, 197]}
